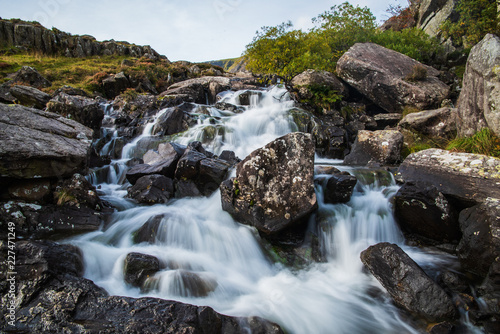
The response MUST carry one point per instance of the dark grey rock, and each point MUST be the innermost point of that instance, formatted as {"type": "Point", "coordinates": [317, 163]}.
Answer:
{"type": "Point", "coordinates": [152, 189]}
{"type": "Point", "coordinates": [138, 267]}
{"type": "Point", "coordinates": [30, 97]}
{"type": "Point", "coordinates": [381, 147]}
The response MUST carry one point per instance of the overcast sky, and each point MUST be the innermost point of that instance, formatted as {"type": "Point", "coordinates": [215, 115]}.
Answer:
{"type": "Point", "coordinates": [193, 30]}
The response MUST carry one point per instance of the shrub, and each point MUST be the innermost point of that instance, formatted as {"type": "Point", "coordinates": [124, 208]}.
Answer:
{"type": "Point", "coordinates": [418, 73]}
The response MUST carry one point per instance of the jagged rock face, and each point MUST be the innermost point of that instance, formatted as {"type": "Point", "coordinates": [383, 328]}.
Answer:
{"type": "Point", "coordinates": [408, 285]}
{"type": "Point", "coordinates": [470, 178]}
{"type": "Point", "coordinates": [36, 144]}
{"type": "Point", "coordinates": [57, 42]}
{"type": "Point", "coordinates": [82, 109]}
{"type": "Point", "coordinates": [480, 245]}
{"type": "Point", "coordinates": [435, 123]}
{"type": "Point", "coordinates": [381, 147]}
{"type": "Point", "coordinates": [379, 74]}
{"type": "Point", "coordinates": [479, 101]}
{"type": "Point", "coordinates": [433, 13]}
{"type": "Point", "coordinates": [274, 186]}
{"type": "Point", "coordinates": [422, 210]}
{"type": "Point", "coordinates": [28, 76]}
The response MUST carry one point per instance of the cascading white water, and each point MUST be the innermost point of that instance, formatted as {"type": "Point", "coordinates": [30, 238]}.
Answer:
{"type": "Point", "coordinates": [197, 237]}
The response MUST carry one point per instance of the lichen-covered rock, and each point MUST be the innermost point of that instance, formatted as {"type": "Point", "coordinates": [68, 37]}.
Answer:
{"type": "Point", "coordinates": [36, 144]}
{"type": "Point", "coordinates": [433, 13]}
{"type": "Point", "coordinates": [435, 123]}
{"type": "Point", "coordinates": [80, 108]}
{"type": "Point", "coordinates": [200, 90]}
{"type": "Point", "coordinates": [422, 210]}
{"type": "Point", "coordinates": [408, 285]}
{"type": "Point", "coordinates": [479, 101]}
{"type": "Point", "coordinates": [78, 192]}
{"type": "Point", "coordinates": [467, 177]}
{"type": "Point", "coordinates": [274, 186]}
{"type": "Point", "coordinates": [379, 74]}
{"type": "Point", "coordinates": [382, 147]}
{"type": "Point", "coordinates": [307, 81]}
{"type": "Point", "coordinates": [30, 96]}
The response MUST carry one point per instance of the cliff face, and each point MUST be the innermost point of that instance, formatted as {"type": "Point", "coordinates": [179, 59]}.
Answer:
{"type": "Point", "coordinates": [36, 37]}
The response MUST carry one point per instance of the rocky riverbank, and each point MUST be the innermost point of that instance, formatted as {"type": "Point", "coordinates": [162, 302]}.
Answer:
{"type": "Point", "coordinates": [52, 145]}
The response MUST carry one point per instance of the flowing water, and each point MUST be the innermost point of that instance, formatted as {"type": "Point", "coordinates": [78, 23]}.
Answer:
{"type": "Point", "coordinates": [232, 273]}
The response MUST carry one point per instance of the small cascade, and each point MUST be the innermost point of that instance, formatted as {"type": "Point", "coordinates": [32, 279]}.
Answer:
{"type": "Point", "coordinates": [207, 258]}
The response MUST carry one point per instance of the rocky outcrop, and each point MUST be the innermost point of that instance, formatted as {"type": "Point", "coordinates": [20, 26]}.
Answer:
{"type": "Point", "coordinates": [408, 285]}
{"type": "Point", "coordinates": [28, 76]}
{"type": "Point", "coordinates": [433, 13]}
{"type": "Point", "coordinates": [434, 123]}
{"type": "Point", "coordinates": [469, 178]}
{"type": "Point", "coordinates": [56, 42]}
{"type": "Point", "coordinates": [479, 101]}
{"type": "Point", "coordinates": [82, 109]}
{"type": "Point", "coordinates": [273, 188]}
{"type": "Point", "coordinates": [384, 76]}
{"type": "Point", "coordinates": [36, 144]}
{"type": "Point", "coordinates": [115, 84]}
{"type": "Point", "coordinates": [30, 96]}
{"type": "Point", "coordinates": [51, 295]}
{"type": "Point", "coordinates": [422, 210]}
{"type": "Point", "coordinates": [381, 147]}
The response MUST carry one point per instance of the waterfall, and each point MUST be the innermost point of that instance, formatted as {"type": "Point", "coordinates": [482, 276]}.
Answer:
{"type": "Point", "coordinates": [209, 259]}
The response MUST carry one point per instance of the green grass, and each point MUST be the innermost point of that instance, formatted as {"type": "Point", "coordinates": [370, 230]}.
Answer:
{"type": "Point", "coordinates": [482, 142]}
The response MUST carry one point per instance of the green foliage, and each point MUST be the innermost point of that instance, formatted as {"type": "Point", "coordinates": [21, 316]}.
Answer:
{"type": "Point", "coordinates": [286, 52]}
{"type": "Point", "coordinates": [482, 142]}
{"type": "Point", "coordinates": [323, 96]}
{"type": "Point", "coordinates": [477, 18]}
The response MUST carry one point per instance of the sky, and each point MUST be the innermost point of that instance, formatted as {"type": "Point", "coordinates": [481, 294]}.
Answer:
{"type": "Point", "coordinates": [192, 30]}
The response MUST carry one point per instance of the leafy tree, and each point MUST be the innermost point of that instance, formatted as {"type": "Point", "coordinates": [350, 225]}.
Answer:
{"type": "Point", "coordinates": [477, 18]}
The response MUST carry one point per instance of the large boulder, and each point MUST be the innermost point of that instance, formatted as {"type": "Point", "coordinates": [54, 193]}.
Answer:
{"type": "Point", "coordinates": [172, 121]}
{"type": "Point", "coordinates": [30, 96]}
{"type": "Point", "coordinates": [28, 76]}
{"type": "Point", "coordinates": [274, 186]}
{"type": "Point", "coordinates": [82, 109]}
{"type": "Point", "coordinates": [138, 267]}
{"type": "Point", "coordinates": [408, 285]}
{"type": "Point", "coordinates": [115, 85]}
{"type": "Point", "coordinates": [382, 147]}
{"type": "Point", "coordinates": [469, 178]}
{"type": "Point", "coordinates": [200, 90]}
{"type": "Point", "coordinates": [422, 210]}
{"type": "Point", "coordinates": [384, 75]}
{"type": "Point", "coordinates": [36, 144]}
{"type": "Point", "coordinates": [479, 101]}
{"type": "Point", "coordinates": [480, 245]}
{"type": "Point", "coordinates": [52, 297]}
{"type": "Point", "coordinates": [310, 81]}
{"type": "Point", "coordinates": [440, 123]}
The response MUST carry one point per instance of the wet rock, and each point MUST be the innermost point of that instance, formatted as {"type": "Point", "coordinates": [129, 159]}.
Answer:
{"type": "Point", "coordinates": [229, 107]}
{"type": "Point", "coordinates": [166, 151]}
{"type": "Point", "coordinates": [152, 189]}
{"type": "Point", "coordinates": [230, 157]}
{"type": "Point", "coordinates": [138, 267]}
{"type": "Point", "coordinates": [30, 97]}
{"type": "Point", "coordinates": [202, 90]}
{"type": "Point", "coordinates": [408, 285]}
{"type": "Point", "coordinates": [31, 190]}
{"type": "Point", "coordinates": [380, 74]}
{"type": "Point", "coordinates": [381, 147]}
{"type": "Point", "coordinates": [274, 186]}
{"type": "Point", "coordinates": [77, 192]}
{"type": "Point", "coordinates": [329, 138]}
{"type": "Point", "coordinates": [422, 210]}
{"type": "Point", "coordinates": [441, 328]}
{"type": "Point", "coordinates": [480, 96]}
{"type": "Point", "coordinates": [82, 109]}
{"type": "Point", "coordinates": [52, 296]}
{"type": "Point", "coordinates": [115, 85]}
{"type": "Point", "coordinates": [185, 188]}
{"type": "Point", "coordinates": [480, 244]}
{"type": "Point", "coordinates": [248, 97]}
{"type": "Point", "coordinates": [35, 144]}
{"type": "Point", "coordinates": [435, 123]}
{"type": "Point", "coordinates": [339, 188]}
{"type": "Point", "coordinates": [151, 231]}
{"type": "Point", "coordinates": [171, 122]}
{"type": "Point", "coordinates": [469, 178]}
